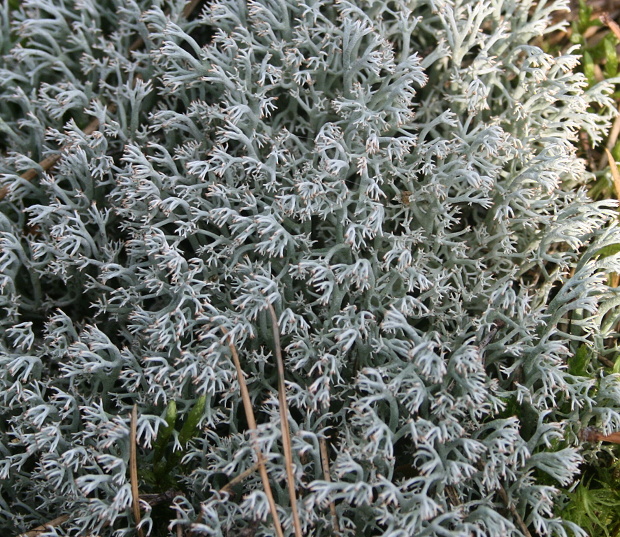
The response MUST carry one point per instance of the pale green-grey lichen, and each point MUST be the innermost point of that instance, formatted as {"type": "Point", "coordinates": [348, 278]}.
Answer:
{"type": "Point", "coordinates": [397, 178]}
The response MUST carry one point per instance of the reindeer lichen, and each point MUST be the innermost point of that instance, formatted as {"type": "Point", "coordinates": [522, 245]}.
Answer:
{"type": "Point", "coordinates": [397, 179]}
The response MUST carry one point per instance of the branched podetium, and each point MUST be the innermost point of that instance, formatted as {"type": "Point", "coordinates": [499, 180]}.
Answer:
{"type": "Point", "coordinates": [394, 180]}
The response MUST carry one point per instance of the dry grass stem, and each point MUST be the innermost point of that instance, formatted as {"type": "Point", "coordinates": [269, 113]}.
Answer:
{"type": "Point", "coordinates": [614, 172]}
{"type": "Point", "coordinates": [611, 24]}
{"type": "Point", "coordinates": [44, 527]}
{"type": "Point", "coordinates": [249, 414]}
{"type": "Point", "coordinates": [286, 433]}
{"type": "Point", "coordinates": [327, 477]}
{"type": "Point", "coordinates": [179, 528]}
{"type": "Point", "coordinates": [611, 140]}
{"type": "Point", "coordinates": [133, 468]}
{"type": "Point", "coordinates": [238, 479]}
{"type": "Point", "coordinates": [227, 488]}
{"type": "Point", "coordinates": [614, 278]}
{"type": "Point", "coordinates": [189, 7]}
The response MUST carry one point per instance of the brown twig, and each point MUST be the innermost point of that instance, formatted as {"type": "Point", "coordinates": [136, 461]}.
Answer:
{"type": "Point", "coordinates": [189, 8]}
{"type": "Point", "coordinates": [615, 130]}
{"type": "Point", "coordinates": [452, 495]}
{"type": "Point", "coordinates": [611, 140]}
{"type": "Point", "coordinates": [611, 24]}
{"type": "Point", "coordinates": [133, 468]}
{"type": "Point", "coordinates": [179, 528]}
{"type": "Point", "coordinates": [44, 527]}
{"type": "Point", "coordinates": [615, 174]}
{"type": "Point", "coordinates": [504, 496]}
{"type": "Point", "coordinates": [238, 479]}
{"type": "Point", "coordinates": [606, 361]}
{"type": "Point", "coordinates": [49, 162]}
{"type": "Point", "coordinates": [286, 433]}
{"type": "Point", "coordinates": [164, 497]}
{"type": "Point", "coordinates": [327, 477]}
{"type": "Point", "coordinates": [227, 488]}
{"type": "Point", "coordinates": [592, 434]}
{"type": "Point", "coordinates": [249, 414]}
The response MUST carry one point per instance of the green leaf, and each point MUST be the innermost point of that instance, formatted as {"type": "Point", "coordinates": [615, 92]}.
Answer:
{"type": "Point", "coordinates": [608, 250]}
{"type": "Point", "coordinates": [588, 68]}
{"type": "Point", "coordinates": [591, 508]}
{"type": "Point", "coordinates": [585, 16]}
{"type": "Point", "coordinates": [615, 152]}
{"type": "Point", "coordinates": [190, 427]}
{"type": "Point", "coordinates": [578, 363]}
{"type": "Point", "coordinates": [611, 55]}
{"type": "Point", "coordinates": [164, 434]}
{"type": "Point", "coordinates": [575, 35]}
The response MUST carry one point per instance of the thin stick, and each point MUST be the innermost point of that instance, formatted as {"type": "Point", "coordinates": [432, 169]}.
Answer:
{"type": "Point", "coordinates": [49, 162]}
{"type": "Point", "coordinates": [234, 481]}
{"type": "Point", "coordinates": [286, 433]}
{"type": "Point", "coordinates": [615, 174]}
{"type": "Point", "coordinates": [133, 468]}
{"type": "Point", "coordinates": [29, 175]}
{"type": "Point", "coordinates": [179, 528]}
{"type": "Point", "coordinates": [592, 434]}
{"type": "Point", "coordinates": [605, 361]}
{"type": "Point", "coordinates": [189, 7]}
{"type": "Point", "coordinates": [611, 24]}
{"type": "Point", "coordinates": [615, 130]}
{"type": "Point", "coordinates": [45, 164]}
{"type": "Point", "coordinates": [249, 414]}
{"type": "Point", "coordinates": [504, 496]}
{"type": "Point", "coordinates": [51, 524]}
{"type": "Point", "coordinates": [611, 140]}
{"type": "Point", "coordinates": [327, 477]}
{"type": "Point", "coordinates": [238, 479]}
